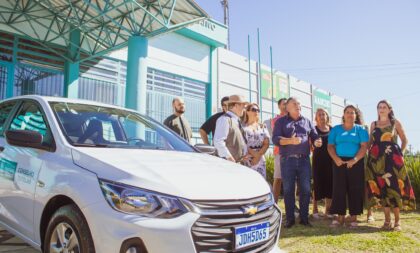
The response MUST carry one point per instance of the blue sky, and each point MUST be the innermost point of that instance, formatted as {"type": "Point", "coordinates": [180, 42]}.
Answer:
{"type": "Point", "coordinates": [361, 50]}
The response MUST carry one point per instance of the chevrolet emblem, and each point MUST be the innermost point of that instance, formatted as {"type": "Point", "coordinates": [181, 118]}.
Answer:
{"type": "Point", "coordinates": [250, 210]}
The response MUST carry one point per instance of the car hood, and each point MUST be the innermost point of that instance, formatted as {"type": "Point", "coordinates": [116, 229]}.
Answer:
{"type": "Point", "coordinates": [188, 175]}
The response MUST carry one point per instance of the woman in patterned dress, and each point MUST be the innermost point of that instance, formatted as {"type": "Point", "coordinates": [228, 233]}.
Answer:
{"type": "Point", "coordinates": [257, 137]}
{"type": "Point", "coordinates": [386, 175]}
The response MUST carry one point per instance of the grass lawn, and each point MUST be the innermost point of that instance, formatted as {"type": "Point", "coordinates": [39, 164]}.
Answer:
{"type": "Point", "coordinates": [365, 238]}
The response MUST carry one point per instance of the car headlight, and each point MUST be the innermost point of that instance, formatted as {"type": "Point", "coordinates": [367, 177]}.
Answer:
{"type": "Point", "coordinates": [141, 202]}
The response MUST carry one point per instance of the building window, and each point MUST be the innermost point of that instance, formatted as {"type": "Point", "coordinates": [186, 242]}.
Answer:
{"type": "Point", "coordinates": [163, 87]}
{"type": "Point", "coordinates": [32, 80]}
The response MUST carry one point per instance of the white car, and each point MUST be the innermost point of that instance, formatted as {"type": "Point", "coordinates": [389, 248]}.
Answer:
{"type": "Point", "coordinates": [83, 177]}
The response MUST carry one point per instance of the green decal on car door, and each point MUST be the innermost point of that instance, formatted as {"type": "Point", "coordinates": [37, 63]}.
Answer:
{"type": "Point", "coordinates": [7, 169]}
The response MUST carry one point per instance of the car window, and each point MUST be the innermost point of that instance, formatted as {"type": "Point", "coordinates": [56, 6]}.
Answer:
{"type": "Point", "coordinates": [5, 110]}
{"type": "Point", "coordinates": [98, 126]}
{"type": "Point", "coordinates": [30, 117]}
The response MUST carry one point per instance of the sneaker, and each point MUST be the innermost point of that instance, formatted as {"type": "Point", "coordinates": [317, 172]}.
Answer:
{"type": "Point", "coordinates": [370, 219]}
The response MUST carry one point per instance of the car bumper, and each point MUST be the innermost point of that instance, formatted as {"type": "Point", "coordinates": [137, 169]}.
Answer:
{"type": "Point", "coordinates": [110, 228]}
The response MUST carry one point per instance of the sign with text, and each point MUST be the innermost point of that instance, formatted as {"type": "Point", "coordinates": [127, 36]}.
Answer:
{"type": "Point", "coordinates": [280, 85]}
{"type": "Point", "coordinates": [321, 99]}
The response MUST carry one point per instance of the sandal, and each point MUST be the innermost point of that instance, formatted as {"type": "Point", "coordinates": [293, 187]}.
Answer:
{"type": "Point", "coordinates": [387, 225]}
{"type": "Point", "coordinates": [335, 224]}
{"type": "Point", "coordinates": [353, 224]}
{"type": "Point", "coordinates": [397, 227]}
{"type": "Point", "coordinates": [370, 219]}
{"type": "Point", "coordinates": [316, 216]}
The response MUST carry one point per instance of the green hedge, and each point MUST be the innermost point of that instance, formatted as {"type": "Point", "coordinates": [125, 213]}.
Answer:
{"type": "Point", "coordinates": [413, 168]}
{"type": "Point", "coordinates": [412, 164]}
{"type": "Point", "coordinates": [269, 163]}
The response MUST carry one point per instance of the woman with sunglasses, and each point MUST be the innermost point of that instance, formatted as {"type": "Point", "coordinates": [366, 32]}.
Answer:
{"type": "Point", "coordinates": [257, 137]}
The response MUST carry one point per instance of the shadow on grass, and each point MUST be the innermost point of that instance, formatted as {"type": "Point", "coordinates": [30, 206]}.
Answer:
{"type": "Point", "coordinates": [321, 227]}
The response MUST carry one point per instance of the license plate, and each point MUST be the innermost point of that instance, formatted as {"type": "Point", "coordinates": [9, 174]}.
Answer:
{"type": "Point", "coordinates": [251, 235]}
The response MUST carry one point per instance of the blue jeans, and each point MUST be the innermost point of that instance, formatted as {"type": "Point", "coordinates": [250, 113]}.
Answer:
{"type": "Point", "coordinates": [296, 169]}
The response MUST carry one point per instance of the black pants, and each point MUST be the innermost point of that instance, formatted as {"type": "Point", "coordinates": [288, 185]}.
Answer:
{"type": "Point", "coordinates": [348, 188]}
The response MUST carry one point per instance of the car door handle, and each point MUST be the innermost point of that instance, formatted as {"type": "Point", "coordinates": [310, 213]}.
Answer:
{"type": "Point", "coordinates": [40, 184]}
{"type": "Point", "coordinates": [1, 149]}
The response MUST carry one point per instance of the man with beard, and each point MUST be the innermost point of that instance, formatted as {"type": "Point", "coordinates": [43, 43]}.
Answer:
{"type": "Point", "coordinates": [177, 122]}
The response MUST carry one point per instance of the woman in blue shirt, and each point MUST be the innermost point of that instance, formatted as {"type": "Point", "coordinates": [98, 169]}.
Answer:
{"type": "Point", "coordinates": [347, 145]}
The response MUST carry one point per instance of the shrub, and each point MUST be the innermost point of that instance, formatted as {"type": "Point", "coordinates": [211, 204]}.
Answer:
{"type": "Point", "coordinates": [269, 162]}
{"type": "Point", "coordinates": [413, 168]}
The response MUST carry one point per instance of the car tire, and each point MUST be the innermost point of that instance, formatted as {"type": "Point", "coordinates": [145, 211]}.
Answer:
{"type": "Point", "coordinates": [68, 228]}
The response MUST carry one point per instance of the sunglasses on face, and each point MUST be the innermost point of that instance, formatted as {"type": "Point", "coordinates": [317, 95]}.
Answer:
{"type": "Point", "coordinates": [255, 110]}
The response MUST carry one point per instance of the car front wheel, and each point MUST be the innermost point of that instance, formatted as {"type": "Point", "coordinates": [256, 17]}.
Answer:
{"type": "Point", "coordinates": [68, 232]}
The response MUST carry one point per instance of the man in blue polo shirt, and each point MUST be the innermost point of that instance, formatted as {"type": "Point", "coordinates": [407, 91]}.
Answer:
{"type": "Point", "coordinates": [292, 133]}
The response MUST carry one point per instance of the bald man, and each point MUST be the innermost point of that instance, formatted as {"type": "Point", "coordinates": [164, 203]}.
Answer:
{"type": "Point", "coordinates": [177, 122]}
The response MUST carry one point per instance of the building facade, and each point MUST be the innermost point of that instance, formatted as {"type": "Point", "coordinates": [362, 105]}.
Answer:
{"type": "Point", "coordinates": [190, 63]}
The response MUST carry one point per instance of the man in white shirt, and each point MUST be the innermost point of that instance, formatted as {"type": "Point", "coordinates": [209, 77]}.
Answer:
{"type": "Point", "coordinates": [229, 137]}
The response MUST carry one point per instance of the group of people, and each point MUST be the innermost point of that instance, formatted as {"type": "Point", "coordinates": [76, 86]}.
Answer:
{"type": "Point", "coordinates": [353, 166]}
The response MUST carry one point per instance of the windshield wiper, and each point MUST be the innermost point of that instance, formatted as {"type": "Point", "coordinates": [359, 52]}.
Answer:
{"type": "Point", "coordinates": [90, 145]}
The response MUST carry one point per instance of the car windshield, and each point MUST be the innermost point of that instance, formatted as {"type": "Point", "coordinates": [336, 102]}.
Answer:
{"type": "Point", "coordinates": [98, 126]}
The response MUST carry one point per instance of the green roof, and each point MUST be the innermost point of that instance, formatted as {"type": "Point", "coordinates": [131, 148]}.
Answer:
{"type": "Point", "coordinates": [104, 25]}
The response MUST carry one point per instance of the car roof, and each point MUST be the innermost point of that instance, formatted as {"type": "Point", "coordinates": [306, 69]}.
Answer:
{"type": "Point", "coordinates": [65, 100]}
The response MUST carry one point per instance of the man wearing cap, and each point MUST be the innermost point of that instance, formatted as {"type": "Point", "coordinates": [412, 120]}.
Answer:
{"type": "Point", "coordinates": [229, 138]}
{"type": "Point", "coordinates": [177, 122]}
{"type": "Point", "coordinates": [210, 125]}
{"type": "Point", "coordinates": [292, 134]}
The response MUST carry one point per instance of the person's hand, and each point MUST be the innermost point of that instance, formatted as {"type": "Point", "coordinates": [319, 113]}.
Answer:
{"type": "Point", "coordinates": [295, 140]}
{"type": "Point", "coordinates": [318, 142]}
{"type": "Point", "coordinates": [351, 163]}
{"type": "Point", "coordinates": [255, 160]}
{"type": "Point", "coordinates": [339, 162]}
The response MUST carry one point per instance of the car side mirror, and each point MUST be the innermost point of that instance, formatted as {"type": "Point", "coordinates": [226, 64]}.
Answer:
{"type": "Point", "coordinates": [204, 148]}
{"type": "Point", "coordinates": [25, 138]}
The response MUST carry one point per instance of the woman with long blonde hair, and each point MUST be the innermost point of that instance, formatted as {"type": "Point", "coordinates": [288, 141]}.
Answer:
{"type": "Point", "coordinates": [257, 137]}
{"type": "Point", "coordinates": [322, 164]}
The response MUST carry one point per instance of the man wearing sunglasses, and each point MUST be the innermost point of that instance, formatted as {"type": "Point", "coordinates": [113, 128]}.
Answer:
{"type": "Point", "coordinates": [229, 138]}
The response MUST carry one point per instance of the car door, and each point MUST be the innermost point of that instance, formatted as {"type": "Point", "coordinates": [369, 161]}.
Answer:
{"type": "Point", "coordinates": [25, 163]}
{"type": "Point", "coordinates": [7, 167]}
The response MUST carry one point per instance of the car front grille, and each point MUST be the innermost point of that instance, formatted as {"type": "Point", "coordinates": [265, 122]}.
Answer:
{"type": "Point", "coordinates": [214, 230]}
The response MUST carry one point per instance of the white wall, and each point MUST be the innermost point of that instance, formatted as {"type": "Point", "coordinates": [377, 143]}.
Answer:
{"type": "Point", "coordinates": [337, 107]}
{"type": "Point", "coordinates": [176, 54]}
{"type": "Point", "coordinates": [233, 77]}
{"type": "Point", "coordinates": [301, 90]}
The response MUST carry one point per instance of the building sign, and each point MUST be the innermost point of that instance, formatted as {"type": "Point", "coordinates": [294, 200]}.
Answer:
{"type": "Point", "coordinates": [280, 85]}
{"type": "Point", "coordinates": [321, 99]}
{"type": "Point", "coordinates": [207, 31]}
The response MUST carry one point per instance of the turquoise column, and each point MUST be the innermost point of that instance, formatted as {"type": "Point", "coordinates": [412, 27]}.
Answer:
{"type": "Point", "coordinates": [212, 81]}
{"type": "Point", "coordinates": [71, 69]}
{"type": "Point", "coordinates": [11, 70]}
{"type": "Point", "coordinates": [135, 91]}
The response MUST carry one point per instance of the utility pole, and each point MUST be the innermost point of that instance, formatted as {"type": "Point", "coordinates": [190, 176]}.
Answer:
{"type": "Point", "coordinates": [225, 5]}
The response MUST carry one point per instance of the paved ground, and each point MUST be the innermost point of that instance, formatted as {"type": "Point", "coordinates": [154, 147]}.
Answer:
{"type": "Point", "coordinates": [11, 244]}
